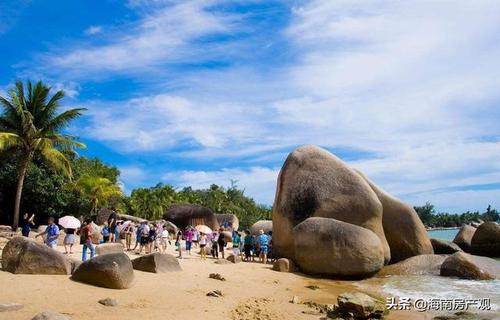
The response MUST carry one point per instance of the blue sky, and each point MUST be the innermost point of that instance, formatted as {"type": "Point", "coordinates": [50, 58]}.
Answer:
{"type": "Point", "coordinates": [196, 92]}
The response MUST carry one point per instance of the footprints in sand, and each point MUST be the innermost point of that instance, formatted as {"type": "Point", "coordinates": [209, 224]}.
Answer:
{"type": "Point", "coordinates": [254, 309]}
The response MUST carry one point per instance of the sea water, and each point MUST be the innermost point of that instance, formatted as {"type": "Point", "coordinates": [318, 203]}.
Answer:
{"type": "Point", "coordinates": [429, 287]}
{"type": "Point", "coordinates": [444, 234]}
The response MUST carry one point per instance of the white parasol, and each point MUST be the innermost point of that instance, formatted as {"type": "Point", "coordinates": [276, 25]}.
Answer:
{"type": "Point", "coordinates": [70, 222]}
{"type": "Point", "coordinates": [203, 229]}
{"type": "Point", "coordinates": [124, 225]}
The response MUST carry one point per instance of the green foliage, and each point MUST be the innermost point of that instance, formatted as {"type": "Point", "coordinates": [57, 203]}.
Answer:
{"type": "Point", "coordinates": [47, 192]}
{"type": "Point", "coordinates": [432, 219]}
{"type": "Point", "coordinates": [31, 125]}
{"type": "Point", "coordinates": [151, 203]}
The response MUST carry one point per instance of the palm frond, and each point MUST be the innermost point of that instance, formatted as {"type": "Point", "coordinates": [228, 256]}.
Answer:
{"type": "Point", "coordinates": [62, 120]}
{"type": "Point", "coordinates": [8, 140]}
{"type": "Point", "coordinates": [54, 157]}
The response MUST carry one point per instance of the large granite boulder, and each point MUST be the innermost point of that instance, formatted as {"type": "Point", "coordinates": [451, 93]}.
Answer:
{"type": "Point", "coordinates": [183, 215]}
{"type": "Point", "coordinates": [441, 246]}
{"type": "Point", "coordinates": [315, 183]}
{"type": "Point", "coordinates": [112, 271]}
{"type": "Point", "coordinates": [467, 266]}
{"type": "Point", "coordinates": [266, 225]}
{"type": "Point", "coordinates": [358, 305]}
{"type": "Point", "coordinates": [330, 247]}
{"type": "Point", "coordinates": [417, 265]}
{"type": "Point", "coordinates": [486, 240]}
{"type": "Point", "coordinates": [464, 237]}
{"type": "Point", "coordinates": [403, 229]}
{"type": "Point", "coordinates": [157, 263]}
{"type": "Point", "coordinates": [26, 256]}
{"type": "Point", "coordinates": [107, 248]}
{"type": "Point", "coordinates": [231, 220]}
{"type": "Point", "coordinates": [171, 227]}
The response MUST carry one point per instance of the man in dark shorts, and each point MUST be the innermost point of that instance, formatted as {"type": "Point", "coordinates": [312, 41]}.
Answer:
{"type": "Point", "coordinates": [112, 225]}
{"type": "Point", "coordinates": [221, 241]}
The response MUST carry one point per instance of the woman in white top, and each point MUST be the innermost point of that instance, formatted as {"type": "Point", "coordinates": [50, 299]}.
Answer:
{"type": "Point", "coordinates": [164, 237]}
{"type": "Point", "coordinates": [203, 244]}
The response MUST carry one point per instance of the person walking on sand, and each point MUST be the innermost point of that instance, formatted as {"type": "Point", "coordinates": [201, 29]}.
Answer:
{"type": "Point", "coordinates": [69, 240]}
{"type": "Point", "coordinates": [144, 237]}
{"type": "Point", "coordinates": [178, 243]}
{"type": "Point", "coordinates": [105, 233]}
{"type": "Point", "coordinates": [236, 243]}
{"type": "Point", "coordinates": [52, 233]}
{"type": "Point", "coordinates": [164, 239]}
{"type": "Point", "coordinates": [189, 239]}
{"type": "Point", "coordinates": [221, 241]}
{"type": "Point", "coordinates": [138, 233]}
{"type": "Point", "coordinates": [151, 239]}
{"type": "Point", "coordinates": [263, 241]}
{"type": "Point", "coordinates": [203, 244]}
{"type": "Point", "coordinates": [112, 220]}
{"type": "Point", "coordinates": [87, 232]}
{"type": "Point", "coordinates": [247, 245]}
{"type": "Point", "coordinates": [215, 249]}
{"type": "Point", "coordinates": [26, 224]}
{"type": "Point", "coordinates": [129, 230]}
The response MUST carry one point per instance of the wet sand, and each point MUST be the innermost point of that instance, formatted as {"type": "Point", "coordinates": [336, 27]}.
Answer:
{"type": "Point", "coordinates": [252, 291]}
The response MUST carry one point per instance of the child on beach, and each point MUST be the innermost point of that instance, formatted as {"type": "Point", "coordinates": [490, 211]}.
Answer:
{"type": "Point", "coordinates": [178, 243]}
{"type": "Point", "coordinates": [203, 244]}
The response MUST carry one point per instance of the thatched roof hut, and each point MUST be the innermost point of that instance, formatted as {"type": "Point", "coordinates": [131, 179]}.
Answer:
{"type": "Point", "coordinates": [183, 215]}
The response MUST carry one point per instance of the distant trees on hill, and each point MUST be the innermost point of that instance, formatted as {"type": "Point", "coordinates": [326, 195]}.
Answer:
{"type": "Point", "coordinates": [430, 218]}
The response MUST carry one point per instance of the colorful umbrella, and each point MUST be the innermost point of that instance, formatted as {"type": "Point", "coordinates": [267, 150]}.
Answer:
{"type": "Point", "coordinates": [203, 229]}
{"type": "Point", "coordinates": [70, 222]}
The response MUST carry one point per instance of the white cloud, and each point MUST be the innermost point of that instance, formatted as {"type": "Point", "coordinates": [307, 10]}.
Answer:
{"type": "Point", "coordinates": [414, 84]}
{"type": "Point", "coordinates": [92, 30]}
{"type": "Point", "coordinates": [164, 35]}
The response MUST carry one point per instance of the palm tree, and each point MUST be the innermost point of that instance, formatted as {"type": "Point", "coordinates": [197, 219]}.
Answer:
{"type": "Point", "coordinates": [30, 123]}
{"type": "Point", "coordinates": [99, 190]}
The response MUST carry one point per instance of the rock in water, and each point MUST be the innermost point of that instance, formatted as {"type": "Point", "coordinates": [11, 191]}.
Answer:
{"type": "Point", "coordinates": [112, 270]}
{"type": "Point", "coordinates": [49, 315]}
{"type": "Point", "coordinates": [315, 183]}
{"type": "Point", "coordinates": [464, 237]}
{"type": "Point", "coordinates": [486, 240]}
{"type": "Point", "coordinates": [418, 265]}
{"type": "Point", "coordinates": [157, 263]}
{"type": "Point", "coordinates": [234, 259]}
{"type": "Point", "coordinates": [107, 248]}
{"type": "Point", "coordinates": [467, 266]}
{"type": "Point", "coordinates": [26, 256]}
{"type": "Point", "coordinates": [265, 225]}
{"type": "Point", "coordinates": [444, 247]}
{"type": "Point", "coordinates": [403, 229]}
{"type": "Point", "coordinates": [334, 248]}
{"type": "Point", "coordinates": [284, 265]}
{"type": "Point", "coordinates": [360, 305]}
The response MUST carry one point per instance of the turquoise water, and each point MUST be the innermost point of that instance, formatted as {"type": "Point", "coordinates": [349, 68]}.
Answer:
{"type": "Point", "coordinates": [448, 234]}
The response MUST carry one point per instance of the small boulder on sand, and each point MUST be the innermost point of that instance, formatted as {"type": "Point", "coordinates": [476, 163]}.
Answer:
{"type": "Point", "coordinates": [157, 263]}
{"type": "Point", "coordinates": [216, 276]}
{"type": "Point", "coordinates": [26, 256]}
{"type": "Point", "coordinates": [467, 266]}
{"type": "Point", "coordinates": [108, 302]}
{"type": "Point", "coordinates": [112, 271]}
{"type": "Point", "coordinates": [417, 265]}
{"type": "Point", "coordinates": [486, 240]}
{"type": "Point", "coordinates": [284, 265]}
{"type": "Point", "coordinates": [360, 305]}
{"type": "Point", "coordinates": [444, 247]}
{"type": "Point", "coordinates": [49, 315]}
{"type": "Point", "coordinates": [233, 258]}
{"type": "Point", "coordinates": [10, 307]}
{"type": "Point", "coordinates": [107, 248]}
{"type": "Point", "coordinates": [464, 237]}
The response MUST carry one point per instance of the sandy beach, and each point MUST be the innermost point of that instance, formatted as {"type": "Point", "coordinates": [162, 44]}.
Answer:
{"type": "Point", "coordinates": [251, 291]}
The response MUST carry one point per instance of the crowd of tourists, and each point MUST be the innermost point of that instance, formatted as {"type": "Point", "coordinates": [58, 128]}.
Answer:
{"type": "Point", "coordinates": [156, 237]}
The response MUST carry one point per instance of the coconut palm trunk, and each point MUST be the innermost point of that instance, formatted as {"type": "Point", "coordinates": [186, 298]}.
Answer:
{"type": "Point", "coordinates": [20, 182]}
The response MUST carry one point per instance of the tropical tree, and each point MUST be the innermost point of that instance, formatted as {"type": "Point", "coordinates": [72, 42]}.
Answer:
{"type": "Point", "coordinates": [98, 190]}
{"type": "Point", "coordinates": [30, 123]}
